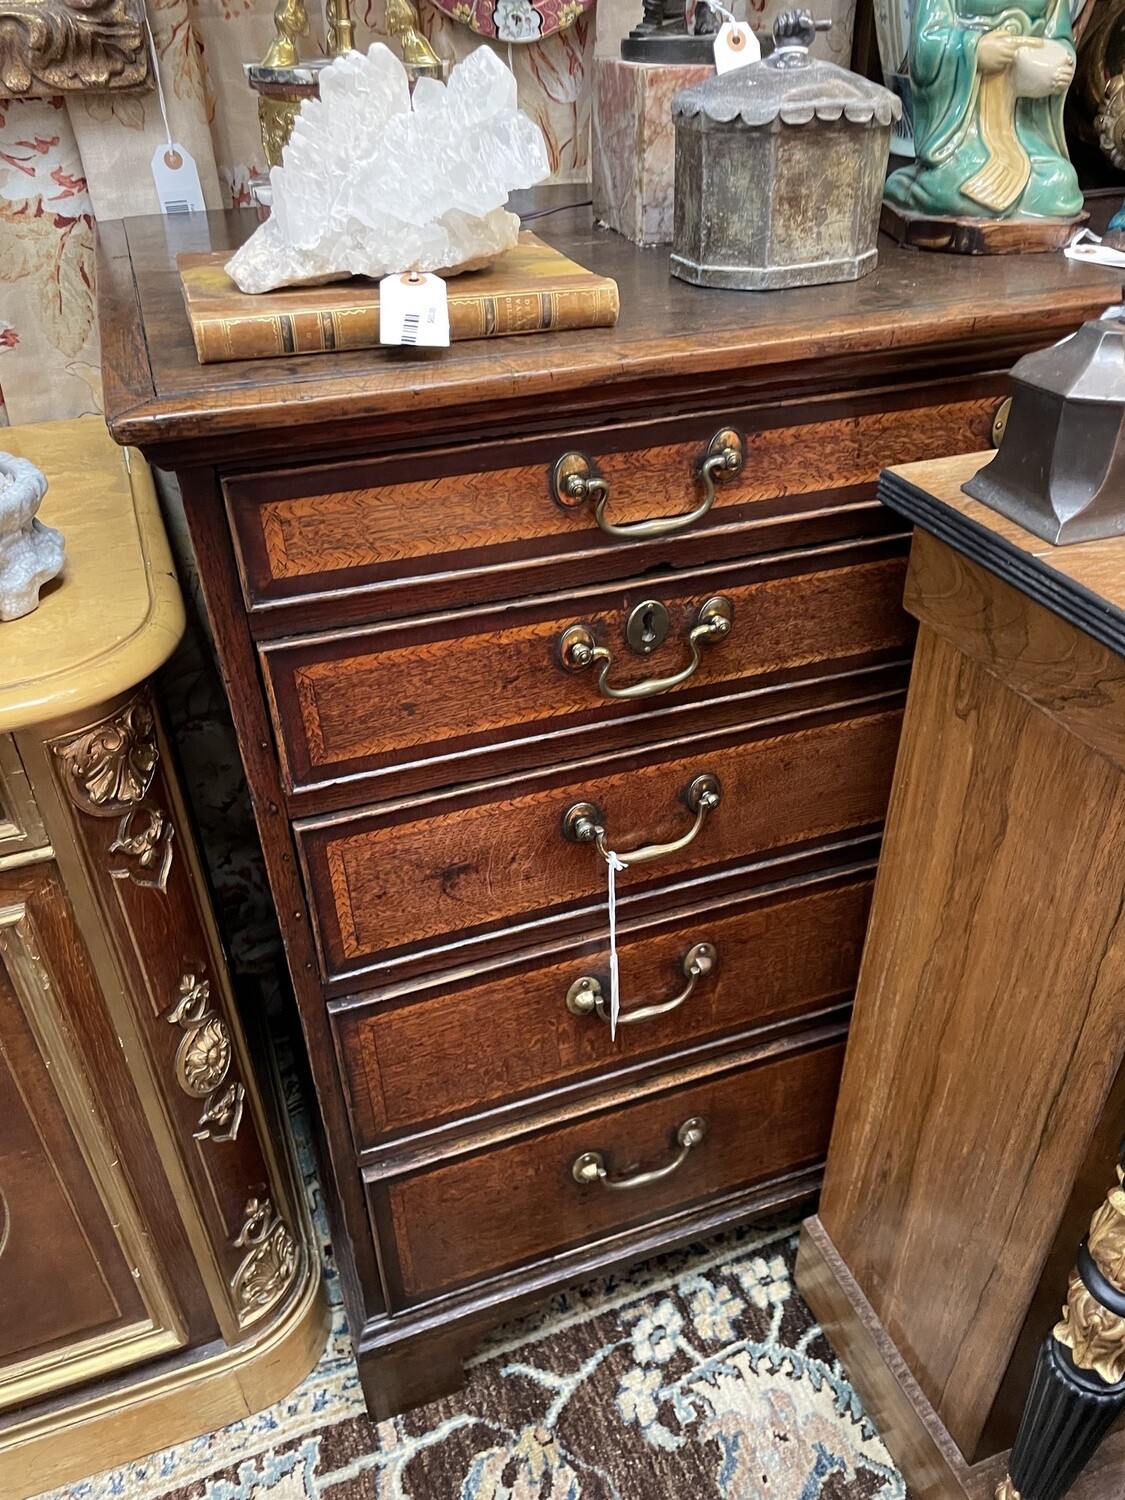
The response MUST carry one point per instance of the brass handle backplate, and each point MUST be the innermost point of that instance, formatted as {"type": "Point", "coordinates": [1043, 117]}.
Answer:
{"type": "Point", "coordinates": [590, 1167]}
{"type": "Point", "coordinates": [583, 822]}
{"type": "Point", "coordinates": [576, 481]}
{"type": "Point", "coordinates": [578, 650]}
{"type": "Point", "coordinates": [585, 996]}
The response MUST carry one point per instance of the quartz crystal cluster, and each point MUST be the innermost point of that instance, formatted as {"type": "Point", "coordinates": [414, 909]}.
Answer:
{"type": "Point", "coordinates": [374, 181]}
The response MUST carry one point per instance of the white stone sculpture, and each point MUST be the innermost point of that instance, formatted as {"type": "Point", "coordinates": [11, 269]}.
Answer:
{"type": "Point", "coordinates": [374, 182]}
{"type": "Point", "coordinates": [30, 553]}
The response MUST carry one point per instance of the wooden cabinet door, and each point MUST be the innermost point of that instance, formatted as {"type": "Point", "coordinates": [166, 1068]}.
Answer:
{"type": "Point", "coordinates": [80, 1295]}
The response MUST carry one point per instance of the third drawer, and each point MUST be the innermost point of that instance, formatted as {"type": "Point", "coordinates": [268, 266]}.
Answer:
{"type": "Point", "coordinates": [460, 1045]}
{"type": "Point", "coordinates": [449, 879]}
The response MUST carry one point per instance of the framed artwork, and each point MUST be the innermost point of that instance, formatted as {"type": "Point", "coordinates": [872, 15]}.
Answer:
{"type": "Point", "coordinates": [52, 46]}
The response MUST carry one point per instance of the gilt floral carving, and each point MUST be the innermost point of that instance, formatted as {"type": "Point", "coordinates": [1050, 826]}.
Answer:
{"type": "Point", "coordinates": [1093, 1333]}
{"type": "Point", "coordinates": [51, 46]}
{"type": "Point", "coordinates": [108, 768]}
{"type": "Point", "coordinates": [203, 1060]}
{"type": "Point", "coordinates": [266, 1271]}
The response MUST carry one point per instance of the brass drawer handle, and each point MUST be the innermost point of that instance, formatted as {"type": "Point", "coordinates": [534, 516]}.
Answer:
{"type": "Point", "coordinates": [578, 650]}
{"type": "Point", "coordinates": [575, 480]}
{"type": "Point", "coordinates": [583, 823]}
{"type": "Point", "coordinates": [585, 995]}
{"type": "Point", "coordinates": [590, 1166]}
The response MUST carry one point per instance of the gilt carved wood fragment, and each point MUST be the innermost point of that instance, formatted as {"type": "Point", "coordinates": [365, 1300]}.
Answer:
{"type": "Point", "coordinates": [48, 46]}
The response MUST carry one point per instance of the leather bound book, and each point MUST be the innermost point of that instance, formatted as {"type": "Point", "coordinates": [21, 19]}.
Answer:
{"type": "Point", "coordinates": [530, 289]}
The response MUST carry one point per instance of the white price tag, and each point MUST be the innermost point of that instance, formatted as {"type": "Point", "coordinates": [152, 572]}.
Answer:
{"type": "Point", "coordinates": [413, 310]}
{"type": "Point", "coordinates": [614, 865]}
{"type": "Point", "coordinates": [735, 46]}
{"type": "Point", "coordinates": [1088, 246]}
{"type": "Point", "coordinates": [177, 180]}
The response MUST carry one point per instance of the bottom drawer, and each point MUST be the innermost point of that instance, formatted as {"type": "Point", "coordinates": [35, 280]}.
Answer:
{"type": "Point", "coordinates": [482, 1214]}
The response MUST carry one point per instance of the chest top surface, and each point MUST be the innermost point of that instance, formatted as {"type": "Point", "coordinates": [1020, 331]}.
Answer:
{"type": "Point", "coordinates": [671, 338]}
{"type": "Point", "coordinates": [115, 613]}
{"type": "Point", "coordinates": [1083, 583]}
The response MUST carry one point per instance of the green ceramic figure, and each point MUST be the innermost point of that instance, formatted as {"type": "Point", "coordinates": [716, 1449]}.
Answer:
{"type": "Point", "coordinates": [988, 79]}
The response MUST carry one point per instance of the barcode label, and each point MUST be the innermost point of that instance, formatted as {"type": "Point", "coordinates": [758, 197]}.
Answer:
{"type": "Point", "coordinates": [413, 311]}
{"type": "Point", "coordinates": [177, 180]}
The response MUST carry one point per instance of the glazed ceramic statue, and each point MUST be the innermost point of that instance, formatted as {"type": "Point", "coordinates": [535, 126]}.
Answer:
{"type": "Point", "coordinates": [989, 78]}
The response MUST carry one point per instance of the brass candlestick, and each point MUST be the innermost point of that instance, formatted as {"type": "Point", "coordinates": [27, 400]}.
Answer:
{"type": "Point", "coordinates": [418, 57]}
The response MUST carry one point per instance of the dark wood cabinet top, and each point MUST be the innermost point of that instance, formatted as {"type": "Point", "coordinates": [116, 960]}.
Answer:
{"type": "Point", "coordinates": [1083, 583]}
{"type": "Point", "coordinates": [916, 312]}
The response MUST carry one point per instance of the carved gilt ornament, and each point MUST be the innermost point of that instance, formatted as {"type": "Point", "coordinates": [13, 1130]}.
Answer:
{"type": "Point", "coordinates": [203, 1060]}
{"type": "Point", "coordinates": [1094, 1335]}
{"type": "Point", "coordinates": [108, 768]}
{"type": "Point", "coordinates": [267, 1269]}
{"type": "Point", "coordinates": [52, 46]}
{"type": "Point", "coordinates": [108, 771]}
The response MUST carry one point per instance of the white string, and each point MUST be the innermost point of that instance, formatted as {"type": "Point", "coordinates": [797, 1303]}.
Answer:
{"type": "Point", "coordinates": [614, 865]}
{"type": "Point", "coordinates": [159, 85]}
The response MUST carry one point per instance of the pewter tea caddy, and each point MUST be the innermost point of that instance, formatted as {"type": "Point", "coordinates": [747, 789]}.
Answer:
{"type": "Point", "coordinates": [779, 169]}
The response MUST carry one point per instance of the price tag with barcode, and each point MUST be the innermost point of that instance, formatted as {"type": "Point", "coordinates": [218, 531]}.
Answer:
{"type": "Point", "coordinates": [413, 310]}
{"type": "Point", "coordinates": [177, 180]}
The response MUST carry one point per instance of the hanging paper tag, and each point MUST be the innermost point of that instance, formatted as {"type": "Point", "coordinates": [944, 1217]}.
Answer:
{"type": "Point", "coordinates": [735, 46]}
{"type": "Point", "coordinates": [614, 864]}
{"type": "Point", "coordinates": [413, 310]}
{"type": "Point", "coordinates": [1088, 247]}
{"type": "Point", "coordinates": [177, 180]}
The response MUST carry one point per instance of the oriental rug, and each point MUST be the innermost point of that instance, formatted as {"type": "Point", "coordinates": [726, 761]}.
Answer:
{"type": "Point", "coordinates": [699, 1374]}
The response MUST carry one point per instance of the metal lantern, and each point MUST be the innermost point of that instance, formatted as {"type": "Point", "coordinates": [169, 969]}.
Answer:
{"type": "Point", "coordinates": [779, 170]}
{"type": "Point", "coordinates": [1060, 469]}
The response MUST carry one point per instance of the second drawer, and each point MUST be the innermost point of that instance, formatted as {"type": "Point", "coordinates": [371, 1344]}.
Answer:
{"type": "Point", "coordinates": [537, 1023]}
{"type": "Point", "coordinates": [427, 702]}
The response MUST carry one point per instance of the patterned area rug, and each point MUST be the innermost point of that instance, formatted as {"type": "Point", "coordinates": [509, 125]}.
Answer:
{"type": "Point", "coordinates": [700, 1374]}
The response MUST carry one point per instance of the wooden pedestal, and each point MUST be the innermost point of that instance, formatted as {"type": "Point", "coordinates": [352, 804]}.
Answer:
{"type": "Point", "coordinates": [977, 236]}
{"type": "Point", "coordinates": [982, 1097]}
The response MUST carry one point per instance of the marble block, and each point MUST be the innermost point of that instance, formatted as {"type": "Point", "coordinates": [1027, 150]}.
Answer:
{"type": "Point", "coordinates": [634, 152]}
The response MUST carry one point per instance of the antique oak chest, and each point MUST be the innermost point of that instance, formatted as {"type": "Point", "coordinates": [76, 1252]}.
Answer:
{"type": "Point", "coordinates": [484, 611]}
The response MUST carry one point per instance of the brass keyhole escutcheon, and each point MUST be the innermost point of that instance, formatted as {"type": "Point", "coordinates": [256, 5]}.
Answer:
{"type": "Point", "coordinates": [647, 627]}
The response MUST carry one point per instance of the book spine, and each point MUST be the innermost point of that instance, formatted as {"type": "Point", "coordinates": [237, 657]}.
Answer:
{"type": "Point", "coordinates": [273, 335]}
{"type": "Point", "coordinates": [497, 315]}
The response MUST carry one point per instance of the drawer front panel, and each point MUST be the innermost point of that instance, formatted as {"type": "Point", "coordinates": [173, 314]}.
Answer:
{"type": "Point", "coordinates": [772, 958]}
{"type": "Point", "coordinates": [420, 874]}
{"type": "Point", "coordinates": [481, 522]}
{"type": "Point", "coordinates": [519, 1202]}
{"type": "Point", "coordinates": [434, 697]}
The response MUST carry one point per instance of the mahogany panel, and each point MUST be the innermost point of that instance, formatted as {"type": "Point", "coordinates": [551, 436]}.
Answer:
{"type": "Point", "coordinates": [63, 1274]}
{"type": "Point", "coordinates": [517, 1202]}
{"type": "Point", "coordinates": [777, 957]}
{"type": "Point", "coordinates": [479, 522]}
{"type": "Point", "coordinates": [414, 701]}
{"type": "Point", "coordinates": [487, 862]}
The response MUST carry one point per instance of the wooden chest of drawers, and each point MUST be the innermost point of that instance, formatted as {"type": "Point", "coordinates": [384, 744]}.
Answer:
{"type": "Point", "coordinates": [476, 611]}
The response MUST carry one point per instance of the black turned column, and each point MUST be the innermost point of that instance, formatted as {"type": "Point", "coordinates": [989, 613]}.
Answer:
{"type": "Point", "coordinates": [1078, 1389]}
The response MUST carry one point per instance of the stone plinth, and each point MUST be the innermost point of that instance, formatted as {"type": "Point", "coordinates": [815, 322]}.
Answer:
{"type": "Point", "coordinates": [634, 145]}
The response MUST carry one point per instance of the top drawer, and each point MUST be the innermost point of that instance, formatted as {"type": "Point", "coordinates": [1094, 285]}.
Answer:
{"type": "Point", "coordinates": [388, 536]}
